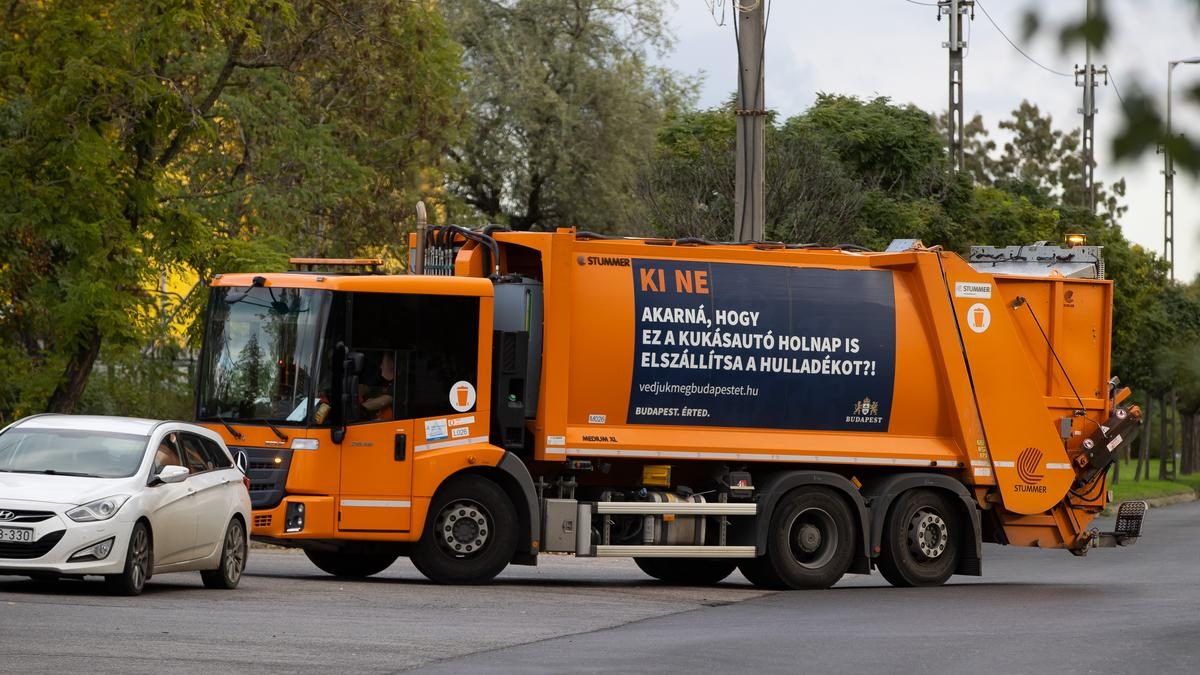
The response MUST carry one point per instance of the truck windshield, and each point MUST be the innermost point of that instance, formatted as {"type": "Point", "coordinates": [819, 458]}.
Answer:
{"type": "Point", "coordinates": [260, 354]}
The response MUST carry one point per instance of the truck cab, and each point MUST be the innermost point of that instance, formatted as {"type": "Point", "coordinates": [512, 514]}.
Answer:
{"type": "Point", "coordinates": [348, 392]}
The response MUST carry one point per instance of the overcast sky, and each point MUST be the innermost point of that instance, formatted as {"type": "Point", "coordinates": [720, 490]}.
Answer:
{"type": "Point", "coordinates": [893, 48]}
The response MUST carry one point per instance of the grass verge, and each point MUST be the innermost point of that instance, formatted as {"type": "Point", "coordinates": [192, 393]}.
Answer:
{"type": "Point", "coordinates": [1129, 488]}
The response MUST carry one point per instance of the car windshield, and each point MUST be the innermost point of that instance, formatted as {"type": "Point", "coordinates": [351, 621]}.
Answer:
{"type": "Point", "coordinates": [64, 452]}
{"type": "Point", "coordinates": [260, 353]}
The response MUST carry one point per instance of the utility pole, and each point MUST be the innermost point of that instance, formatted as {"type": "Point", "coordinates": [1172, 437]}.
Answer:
{"type": "Point", "coordinates": [1086, 77]}
{"type": "Point", "coordinates": [1169, 176]}
{"type": "Point", "coordinates": [954, 10]}
{"type": "Point", "coordinates": [749, 207]}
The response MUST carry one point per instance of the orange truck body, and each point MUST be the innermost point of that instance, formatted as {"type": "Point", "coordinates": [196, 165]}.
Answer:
{"type": "Point", "coordinates": [867, 373]}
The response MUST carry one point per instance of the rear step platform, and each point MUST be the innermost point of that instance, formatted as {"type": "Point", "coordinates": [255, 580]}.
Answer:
{"type": "Point", "coordinates": [1128, 528]}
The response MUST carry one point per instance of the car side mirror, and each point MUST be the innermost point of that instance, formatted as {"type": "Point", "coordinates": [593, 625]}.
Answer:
{"type": "Point", "coordinates": [170, 474]}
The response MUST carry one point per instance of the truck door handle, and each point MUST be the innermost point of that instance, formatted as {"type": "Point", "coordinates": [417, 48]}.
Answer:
{"type": "Point", "coordinates": [401, 447]}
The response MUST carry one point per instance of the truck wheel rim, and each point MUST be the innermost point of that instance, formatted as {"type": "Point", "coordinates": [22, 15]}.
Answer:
{"type": "Point", "coordinates": [927, 535]}
{"type": "Point", "coordinates": [464, 527]}
{"type": "Point", "coordinates": [813, 538]}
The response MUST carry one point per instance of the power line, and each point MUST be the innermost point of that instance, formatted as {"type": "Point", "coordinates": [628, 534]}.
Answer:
{"type": "Point", "coordinates": [1014, 45]}
{"type": "Point", "coordinates": [712, 9]}
{"type": "Point", "coordinates": [1117, 89]}
{"type": "Point", "coordinates": [926, 4]}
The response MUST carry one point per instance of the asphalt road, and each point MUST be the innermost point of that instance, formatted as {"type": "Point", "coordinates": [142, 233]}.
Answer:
{"type": "Point", "coordinates": [1124, 610]}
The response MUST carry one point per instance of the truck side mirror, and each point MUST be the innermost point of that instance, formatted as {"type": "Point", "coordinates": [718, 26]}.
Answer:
{"type": "Point", "coordinates": [351, 368]}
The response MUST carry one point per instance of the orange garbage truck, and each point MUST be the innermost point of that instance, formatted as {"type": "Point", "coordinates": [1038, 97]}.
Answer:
{"type": "Point", "coordinates": [795, 412]}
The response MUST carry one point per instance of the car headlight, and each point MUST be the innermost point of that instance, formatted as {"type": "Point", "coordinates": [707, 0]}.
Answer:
{"type": "Point", "coordinates": [101, 509]}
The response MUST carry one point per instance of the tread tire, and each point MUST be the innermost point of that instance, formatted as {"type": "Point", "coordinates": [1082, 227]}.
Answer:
{"type": "Point", "coordinates": [811, 509]}
{"type": "Point", "coordinates": [897, 562]}
{"type": "Point", "coordinates": [433, 557]}
{"type": "Point", "coordinates": [351, 563]}
{"type": "Point", "coordinates": [687, 571]}
{"type": "Point", "coordinates": [234, 551]}
{"type": "Point", "coordinates": [139, 562]}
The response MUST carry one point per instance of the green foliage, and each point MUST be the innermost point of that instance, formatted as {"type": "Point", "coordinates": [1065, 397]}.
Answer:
{"type": "Point", "coordinates": [139, 139]}
{"type": "Point", "coordinates": [141, 383]}
{"type": "Point", "coordinates": [1144, 128]}
{"type": "Point", "coordinates": [687, 188]}
{"type": "Point", "coordinates": [889, 147]}
{"type": "Point", "coordinates": [564, 108]}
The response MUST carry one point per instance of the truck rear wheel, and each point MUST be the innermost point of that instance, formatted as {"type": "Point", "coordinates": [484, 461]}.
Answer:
{"type": "Point", "coordinates": [687, 571]}
{"type": "Point", "coordinates": [351, 562]}
{"type": "Point", "coordinates": [470, 533]}
{"type": "Point", "coordinates": [759, 572]}
{"type": "Point", "coordinates": [920, 540]}
{"type": "Point", "coordinates": [811, 541]}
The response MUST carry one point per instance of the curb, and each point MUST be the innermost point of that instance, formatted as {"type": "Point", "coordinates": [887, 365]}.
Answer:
{"type": "Point", "coordinates": [1169, 500]}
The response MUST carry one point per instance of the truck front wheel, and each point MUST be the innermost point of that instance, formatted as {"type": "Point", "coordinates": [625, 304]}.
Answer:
{"type": "Point", "coordinates": [351, 562]}
{"type": "Point", "coordinates": [811, 541]}
{"type": "Point", "coordinates": [687, 571]}
{"type": "Point", "coordinates": [920, 540]}
{"type": "Point", "coordinates": [470, 534]}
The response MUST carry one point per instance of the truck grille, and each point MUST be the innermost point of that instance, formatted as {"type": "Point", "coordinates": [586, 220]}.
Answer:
{"type": "Point", "coordinates": [268, 478]}
{"type": "Point", "coordinates": [37, 549]}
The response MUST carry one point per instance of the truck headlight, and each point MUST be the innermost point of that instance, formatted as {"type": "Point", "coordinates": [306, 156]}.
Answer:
{"type": "Point", "coordinates": [101, 509]}
{"type": "Point", "coordinates": [293, 520]}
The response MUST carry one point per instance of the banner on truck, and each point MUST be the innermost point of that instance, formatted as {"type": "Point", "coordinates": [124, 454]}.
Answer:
{"type": "Point", "coordinates": [732, 345]}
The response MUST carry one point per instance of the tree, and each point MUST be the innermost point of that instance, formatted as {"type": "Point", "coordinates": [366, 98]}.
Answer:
{"type": "Point", "coordinates": [687, 189]}
{"type": "Point", "coordinates": [564, 108]}
{"type": "Point", "coordinates": [137, 139]}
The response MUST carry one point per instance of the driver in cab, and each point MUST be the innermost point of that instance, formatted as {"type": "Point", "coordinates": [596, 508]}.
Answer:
{"type": "Point", "coordinates": [375, 397]}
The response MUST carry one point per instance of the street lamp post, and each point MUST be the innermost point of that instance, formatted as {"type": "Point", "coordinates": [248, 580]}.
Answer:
{"type": "Point", "coordinates": [1169, 176]}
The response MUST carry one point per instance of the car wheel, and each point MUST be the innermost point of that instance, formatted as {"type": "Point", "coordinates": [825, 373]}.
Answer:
{"type": "Point", "coordinates": [138, 559]}
{"type": "Point", "coordinates": [470, 535]}
{"type": "Point", "coordinates": [687, 571]}
{"type": "Point", "coordinates": [233, 559]}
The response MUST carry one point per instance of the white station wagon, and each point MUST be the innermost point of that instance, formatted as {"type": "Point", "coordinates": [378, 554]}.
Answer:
{"type": "Point", "coordinates": [122, 498]}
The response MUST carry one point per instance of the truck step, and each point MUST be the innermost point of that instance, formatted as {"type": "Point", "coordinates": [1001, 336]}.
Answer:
{"type": "Point", "coordinates": [1128, 528]}
{"type": "Point", "coordinates": [1129, 519]}
{"type": "Point", "coordinates": [675, 551]}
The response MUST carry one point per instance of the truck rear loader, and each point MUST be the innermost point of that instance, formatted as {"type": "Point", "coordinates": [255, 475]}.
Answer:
{"type": "Point", "coordinates": [795, 412]}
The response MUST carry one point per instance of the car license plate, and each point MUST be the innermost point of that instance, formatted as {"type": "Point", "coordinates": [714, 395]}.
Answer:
{"type": "Point", "coordinates": [22, 534]}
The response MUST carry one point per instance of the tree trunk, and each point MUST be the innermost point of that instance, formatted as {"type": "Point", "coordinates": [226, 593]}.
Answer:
{"type": "Point", "coordinates": [74, 378]}
{"type": "Point", "coordinates": [1144, 446]}
{"type": "Point", "coordinates": [1185, 459]}
{"type": "Point", "coordinates": [1194, 448]}
{"type": "Point", "coordinates": [1164, 444]}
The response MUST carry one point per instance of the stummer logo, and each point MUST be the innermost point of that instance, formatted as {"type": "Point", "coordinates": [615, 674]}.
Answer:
{"type": "Point", "coordinates": [1029, 470]}
{"type": "Point", "coordinates": [604, 261]}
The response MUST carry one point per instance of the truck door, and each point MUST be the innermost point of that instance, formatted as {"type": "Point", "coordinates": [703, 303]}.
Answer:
{"type": "Point", "coordinates": [414, 349]}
